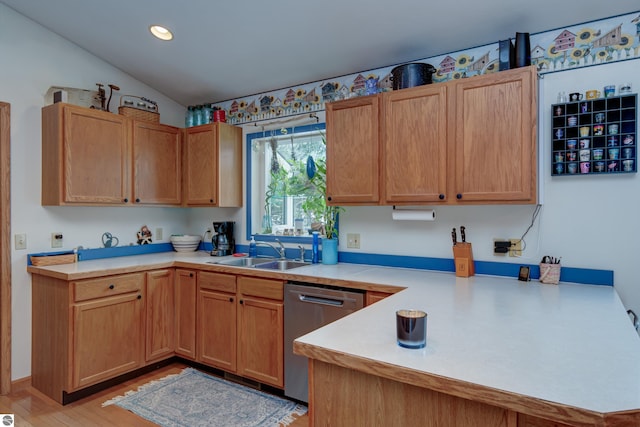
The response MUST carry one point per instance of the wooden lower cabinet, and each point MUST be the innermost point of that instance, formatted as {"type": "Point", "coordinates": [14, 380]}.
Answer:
{"type": "Point", "coordinates": [261, 330]}
{"type": "Point", "coordinates": [85, 331]}
{"type": "Point", "coordinates": [216, 312]}
{"type": "Point", "coordinates": [186, 290]}
{"type": "Point", "coordinates": [159, 308]}
{"type": "Point", "coordinates": [241, 326]}
{"type": "Point", "coordinates": [107, 338]}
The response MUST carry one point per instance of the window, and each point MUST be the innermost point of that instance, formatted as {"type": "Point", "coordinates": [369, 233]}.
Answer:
{"type": "Point", "coordinates": [282, 200]}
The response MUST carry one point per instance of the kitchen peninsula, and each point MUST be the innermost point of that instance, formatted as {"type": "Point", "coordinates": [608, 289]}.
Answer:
{"type": "Point", "coordinates": [499, 352]}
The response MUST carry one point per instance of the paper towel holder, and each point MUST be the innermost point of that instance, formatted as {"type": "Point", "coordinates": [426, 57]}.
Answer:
{"type": "Point", "coordinates": [413, 214]}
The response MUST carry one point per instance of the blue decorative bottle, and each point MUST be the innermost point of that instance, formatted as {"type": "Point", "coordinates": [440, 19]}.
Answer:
{"type": "Point", "coordinates": [315, 247]}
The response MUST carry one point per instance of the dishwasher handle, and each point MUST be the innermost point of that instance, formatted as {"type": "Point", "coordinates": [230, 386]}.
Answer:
{"type": "Point", "coordinates": [320, 300]}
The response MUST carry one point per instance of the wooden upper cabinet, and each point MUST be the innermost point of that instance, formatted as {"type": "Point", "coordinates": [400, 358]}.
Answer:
{"type": "Point", "coordinates": [495, 137]}
{"type": "Point", "coordinates": [213, 165]}
{"type": "Point", "coordinates": [467, 141]}
{"type": "Point", "coordinates": [415, 145]}
{"type": "Point", "coordinates": [353, 151]}
{"type": "Point", "coordinates": [157, 164]}
{"type": "Point", "coordinates": [85, 156]}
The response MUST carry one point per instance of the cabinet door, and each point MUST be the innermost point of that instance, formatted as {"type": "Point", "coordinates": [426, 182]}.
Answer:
{"type": "Point", "coordinates": [217, 329]}
{"type": "Point", "coordinates": [213, 165]}
{"type": "Point", "coordinates": [201, 175]}
{"type": "Point", "coordinates": [495, 137]}
{"type": "Point", "coordinates": [185, 327]}
{"type": "Point", "coordinates": [157, 164]}
{"type": "Point", "coordinates": [353, 151]}
{"type": "Point", "coordinates": [261, 340]}
{"type": "Point", "coordinates": [95, 163]}
{"type": "Point", "coordinates": [107, 338]}
{"type": "Point", "coordinates": [415, 144]}
{"type": "Point", "coordinates": [159, 314]}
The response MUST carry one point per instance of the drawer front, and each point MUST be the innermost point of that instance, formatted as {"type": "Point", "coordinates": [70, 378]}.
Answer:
{"type": "Point", "coordinates": [107, 286]}
{"type": "Point", "coordinates": [217, 281]}
{"type": "Point", "coordinates": [264, 288]}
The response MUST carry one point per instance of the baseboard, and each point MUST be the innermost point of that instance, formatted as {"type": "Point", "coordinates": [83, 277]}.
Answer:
{"type": "Point", "coordinates": [20, 384]}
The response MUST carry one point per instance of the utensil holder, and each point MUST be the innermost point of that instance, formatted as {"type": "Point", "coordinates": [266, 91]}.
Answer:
{"type": "Point", "coordinates": [463, 259]}
{"type": "Point", "coordinates": [550, 273]}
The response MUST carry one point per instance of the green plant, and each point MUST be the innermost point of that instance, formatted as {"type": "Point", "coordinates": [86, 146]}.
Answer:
{"type": "Point", "coordinates": [318, 204]}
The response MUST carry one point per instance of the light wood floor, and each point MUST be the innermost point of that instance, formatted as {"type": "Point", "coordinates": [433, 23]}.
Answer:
{"type": "Point", "coordinates": [32, 408]}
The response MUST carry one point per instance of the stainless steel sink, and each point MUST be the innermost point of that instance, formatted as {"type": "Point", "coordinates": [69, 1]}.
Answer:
{"type": "Point", "coordinates": [281, 264]}
{"type": "Point", "coordinates": [244, 262]}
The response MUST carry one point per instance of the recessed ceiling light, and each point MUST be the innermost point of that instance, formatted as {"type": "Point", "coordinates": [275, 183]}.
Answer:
{"type": "Point", "coordinates": [161, 32]}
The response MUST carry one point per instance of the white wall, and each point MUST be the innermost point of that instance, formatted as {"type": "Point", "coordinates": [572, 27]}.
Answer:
{"type": "Point", "coordinates": [32, 60]}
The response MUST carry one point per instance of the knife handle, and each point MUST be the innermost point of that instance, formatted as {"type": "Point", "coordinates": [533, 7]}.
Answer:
{"type": "Point", "coordinates": [462, 234]}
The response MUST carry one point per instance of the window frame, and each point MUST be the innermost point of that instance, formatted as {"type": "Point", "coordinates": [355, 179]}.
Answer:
{"type": "Point", "coordinates": [249, 208]}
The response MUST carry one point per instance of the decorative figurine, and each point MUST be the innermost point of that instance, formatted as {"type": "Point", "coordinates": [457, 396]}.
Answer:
{"type": "Point", "coordinates": [144, 236]}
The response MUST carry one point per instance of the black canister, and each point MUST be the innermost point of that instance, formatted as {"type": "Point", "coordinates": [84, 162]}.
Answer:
{"type": "Point", "coordinates": [523, 50]}
{"type": "Point", "coordinates": [410, 75]}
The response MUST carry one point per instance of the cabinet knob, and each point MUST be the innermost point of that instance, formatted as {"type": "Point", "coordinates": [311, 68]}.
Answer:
{"type": "Point", "coordinates": [139, 296]}
{"type": "Point", "coordinates": [441, 197]}
{"type": "Point", "coordinates": [241, 302]}
{"type": "Point", "coordinates": [210, 200]}
{"type": "Point", "coordinates": [137, 200]}
{"type": "Point", "coordinates": [126, 200]}
{"type": "Point", "coordinates": [458, 196]}
{"type": "Point", "coordinates": [329, 198]}
{"type": "Point", "coordinates": [112, 286]}
{"type": "Point", "coordinates": [190, 274]}
{"type": "Point", "coordinates": [230, 299]}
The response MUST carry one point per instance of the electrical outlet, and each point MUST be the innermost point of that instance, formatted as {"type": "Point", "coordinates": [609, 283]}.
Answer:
{"type": "Point", "coordinates": [516, 247]}
{"type": "Point", "coordinates": [353, 240]}
{"type": "Point", "coordinates": [56, 240]}
{"type": "Point", "coordinates": [159, 233]}
{"type": "Point", "coordinates": [501, 247]}
{"type": "Point", "coordinates": [20, 241]}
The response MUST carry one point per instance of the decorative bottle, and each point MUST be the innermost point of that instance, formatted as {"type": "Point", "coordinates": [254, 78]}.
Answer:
{"type": "Point", "coordinates": [315, 247]}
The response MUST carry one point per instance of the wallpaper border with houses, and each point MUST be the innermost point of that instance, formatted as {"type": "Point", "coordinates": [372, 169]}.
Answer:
{"type": "Point", "coordinates": [603, 41]}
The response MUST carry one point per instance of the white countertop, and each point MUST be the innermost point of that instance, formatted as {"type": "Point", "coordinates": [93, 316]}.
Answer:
{"type": "Point", "coordinates": [571, 344]}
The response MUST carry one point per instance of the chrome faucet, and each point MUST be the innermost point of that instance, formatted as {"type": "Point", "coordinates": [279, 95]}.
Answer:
{"type": "Point", "coordinates": [301, 252]}
{"type": "Point", "coordinates": [280, 251]}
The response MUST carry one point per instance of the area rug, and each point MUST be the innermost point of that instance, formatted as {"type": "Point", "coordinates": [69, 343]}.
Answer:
{"type": "Point", "coordinates": [192, 399]}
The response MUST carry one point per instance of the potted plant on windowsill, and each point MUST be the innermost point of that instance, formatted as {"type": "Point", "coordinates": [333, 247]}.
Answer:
{"type": "Point", "coordinates": [325, 214]}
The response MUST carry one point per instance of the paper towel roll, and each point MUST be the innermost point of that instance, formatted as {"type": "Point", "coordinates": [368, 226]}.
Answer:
{"type": "Point", "coordinates": [414, 215]}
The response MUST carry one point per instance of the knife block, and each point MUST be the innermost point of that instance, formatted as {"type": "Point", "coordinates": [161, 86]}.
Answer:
{"type": "Point", "coordinates": [463, 259]}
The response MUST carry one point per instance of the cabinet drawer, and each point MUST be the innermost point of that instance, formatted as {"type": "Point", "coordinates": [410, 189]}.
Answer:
{"type": "Point", "coordinates": [217, 281]}
{"type": "Point", "coordinates": [265, 288]}
{"type": "Point", "coordinates": [107, 286]}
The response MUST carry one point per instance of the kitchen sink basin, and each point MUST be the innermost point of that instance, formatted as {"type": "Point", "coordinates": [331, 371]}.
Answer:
{"type": "Point", "coordinates": [244, 262]}
{"type": "Point", "coordinates": [281, 264]}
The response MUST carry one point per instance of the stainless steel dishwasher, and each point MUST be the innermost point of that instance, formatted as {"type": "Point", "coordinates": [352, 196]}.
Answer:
{"type": "Point", "coordinates": [306, 308]}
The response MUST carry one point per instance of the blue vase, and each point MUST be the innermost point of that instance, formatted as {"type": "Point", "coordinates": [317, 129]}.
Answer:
{"type": "Point", "coordinates": [329, 251]}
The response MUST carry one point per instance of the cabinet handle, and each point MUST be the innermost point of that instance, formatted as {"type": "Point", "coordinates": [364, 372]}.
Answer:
{"type": "Point", "coordinates": [458, 196]}
{"type": "Point", "coordinates": [230, 299]}
{"type": "Point", "coordinates": [329, 198]}
{"type": "Point", "coordinates": [126, 200]}
{"type": "Point", "coordinates": [210, 200]}
{"type": "Point", "coordinates": [139, 296]}
{"type": "Point", "coordinates": [137, 200]}
{"type": "Point", "coordinates": [241, 302]}
{"type": "Point", "coordinates": [190, 274]}
{"type": "Point", "coordinates": [441, 197]}
{"type": "Point", "coordinates": [112, 286]}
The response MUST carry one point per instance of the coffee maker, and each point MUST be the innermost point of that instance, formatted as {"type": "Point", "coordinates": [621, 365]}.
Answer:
{"type": "Point", "coordinates": [222, 241]}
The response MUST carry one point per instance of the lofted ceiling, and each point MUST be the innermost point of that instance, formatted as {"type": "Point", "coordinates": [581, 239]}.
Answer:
{"type": "Point", "coordinates": [229, 49]}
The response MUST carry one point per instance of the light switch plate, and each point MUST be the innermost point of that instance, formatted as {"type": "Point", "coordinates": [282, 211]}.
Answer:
{"type": "Point", "coordinates": [20, 241]}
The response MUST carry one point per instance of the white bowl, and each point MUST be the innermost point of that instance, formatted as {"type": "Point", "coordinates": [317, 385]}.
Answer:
{"type": "Point", "coordinates": [185, 242]}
